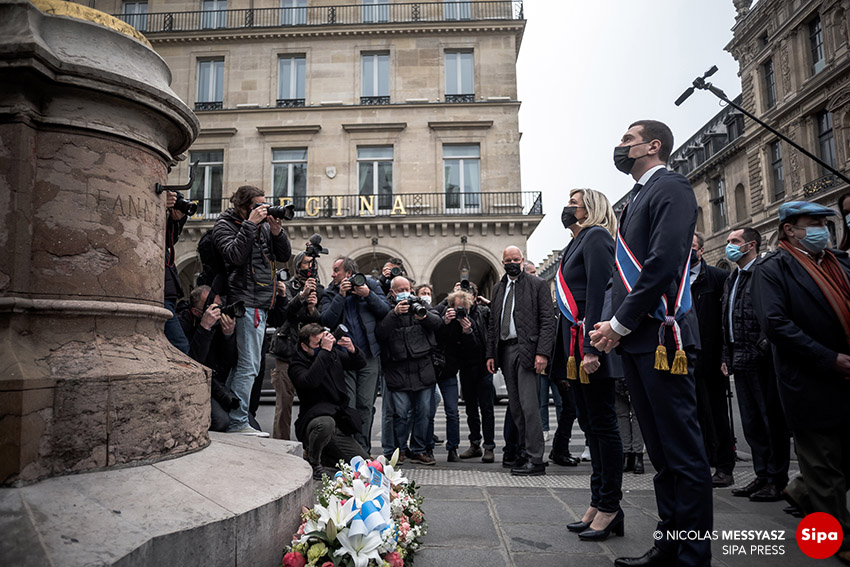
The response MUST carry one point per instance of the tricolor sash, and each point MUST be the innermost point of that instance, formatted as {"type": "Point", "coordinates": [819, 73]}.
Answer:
{"type": "Point", "coordinates": [629, 270]}
{"type": "Point", "coordinates": [569, 309]}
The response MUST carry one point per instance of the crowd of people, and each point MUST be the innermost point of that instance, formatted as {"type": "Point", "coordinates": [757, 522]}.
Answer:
{"type": "Point", "coordinates": [638, 346]}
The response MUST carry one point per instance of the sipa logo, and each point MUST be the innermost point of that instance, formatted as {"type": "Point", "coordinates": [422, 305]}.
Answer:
{"type": "Point", "coordinates": [818, 535]}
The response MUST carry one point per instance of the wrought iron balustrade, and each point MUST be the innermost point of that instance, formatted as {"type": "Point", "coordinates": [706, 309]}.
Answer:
{"type": "Point", "coordinates": [396, 206]}
{"type": "Point", "coordinates": [824, 183]}
{"type": "Point", "coordinates": [352, 14]}
{"type": "Point", "coordinates": [374, 100]}
{"type": "Point", "coordinates": [209, 105]}
{"type": "Point", "coordinates": [460, 98]}
{"type": "Point", "coordinates": [290, 102]}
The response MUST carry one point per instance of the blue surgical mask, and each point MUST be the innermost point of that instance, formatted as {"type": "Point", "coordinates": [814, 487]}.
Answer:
{"type": "Point", "coordinates": [402, 295]}
{"type": "Point", "coordinates": [733, 252]}
{"type": "Point", "coordinates": [847, 220]}
{"type": "Point", "coordinates": [817, 237]}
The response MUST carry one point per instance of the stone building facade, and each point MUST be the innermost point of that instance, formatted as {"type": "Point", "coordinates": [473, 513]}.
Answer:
{"type": "Point", "coordinates": [794, 59]}
{"type": "Point", "coordinates": [392, 127]}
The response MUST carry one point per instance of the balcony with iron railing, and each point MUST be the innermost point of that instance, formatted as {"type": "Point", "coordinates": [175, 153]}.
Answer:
{"type": "Point", "coordinates": [398, 206]}
{"type": "Point", "coordinates": [354, 14]}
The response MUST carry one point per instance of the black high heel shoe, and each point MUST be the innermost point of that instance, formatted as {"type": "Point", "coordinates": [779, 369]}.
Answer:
{"type": "Point", "coordinates": [579, 526]}
{"type": "Point", "coordinates": [617, 527]}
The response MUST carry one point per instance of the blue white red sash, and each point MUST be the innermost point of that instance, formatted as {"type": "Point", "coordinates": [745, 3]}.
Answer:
{"type": "Point", "coordinates": [569, 309]}
{"type": "Point", "coordinates": [629, 270]}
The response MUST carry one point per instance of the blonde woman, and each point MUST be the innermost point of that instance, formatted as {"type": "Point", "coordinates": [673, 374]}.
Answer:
{"type": "Point", "coordinates": [586, 267]}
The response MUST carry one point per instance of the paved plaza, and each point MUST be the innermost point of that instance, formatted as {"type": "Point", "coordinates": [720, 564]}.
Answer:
{"type": "Point", "coordinates": [480, 515]}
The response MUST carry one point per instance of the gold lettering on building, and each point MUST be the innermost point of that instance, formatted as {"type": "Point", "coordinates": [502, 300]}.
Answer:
{"type": "Point", "coordinates": [311, 208]}
{"type": "Point", "coordinates": [398, 207]}
{"type": "Point", "coordinates": [338, 206]}
{"type": "Point", "coordinates": [367, 204]}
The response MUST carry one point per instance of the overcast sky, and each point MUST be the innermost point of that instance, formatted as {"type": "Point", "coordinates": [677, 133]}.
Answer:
{"type": "Point", "coordinates": [588, 68]}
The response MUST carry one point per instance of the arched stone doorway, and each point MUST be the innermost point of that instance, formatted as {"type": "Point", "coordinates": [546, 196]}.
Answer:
{"type": "Point", "coordinates": [446, 272]}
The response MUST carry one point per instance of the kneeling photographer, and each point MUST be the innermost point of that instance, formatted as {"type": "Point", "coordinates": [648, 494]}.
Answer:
{"type": "Point", "coordinates": [251, 239]}
{"type": "Point", "coordinates": [209, 326]}
{"type": "Point", "coordinates": [299, 306]}
{"type": "Point", "coordinates": [325, 423]}
{"type": "Point", "coordinates": [407, 340]}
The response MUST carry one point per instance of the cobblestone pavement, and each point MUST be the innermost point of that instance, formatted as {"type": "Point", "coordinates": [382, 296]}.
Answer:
{"type": "Point", "coordinates": [480, 515]}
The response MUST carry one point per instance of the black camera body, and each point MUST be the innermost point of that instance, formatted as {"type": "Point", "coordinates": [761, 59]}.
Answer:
{"type": "Point", "coordinates": [286, 212]}
{"type": "Point", "coordinates": [417, 306]}
{"type": "Point", "coordinates": [465, 285]}
{"type": "Point", "coordinates": [185, 206]}
{"type": "Point", "coordinates": [357, 279]}
{"type": "Point", "coordinates": [340, 331]}
{"type": "Point", "coordinates": [234, 309]}
{"type": "Point", "coordinates": [461, 313]}
{"type": "Point", "coordinates": [314, 247]}
{"type": "Point", "coordinates": [395, 272]}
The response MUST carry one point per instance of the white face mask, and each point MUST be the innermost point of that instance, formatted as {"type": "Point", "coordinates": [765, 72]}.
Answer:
{"type": "Point", "coordinates": [426, 299]}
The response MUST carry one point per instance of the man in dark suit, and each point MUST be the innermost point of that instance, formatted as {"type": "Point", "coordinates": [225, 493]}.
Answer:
{"type": "Point", "coordinates": [801, 296]}
{"type": "Point", "coordinates": [657, 228]}
{"type": "Point", "coordinates": [712, 385]}
{"type": "Point", "coordinates": [519, 341]}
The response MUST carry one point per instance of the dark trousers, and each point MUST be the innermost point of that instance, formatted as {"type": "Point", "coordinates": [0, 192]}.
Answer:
{"type": "Point", "coordinates": [597, 416]}
{"type": "Point", "coordinates": [666, 408]}
{"type": "Point", "coordinates": [477, 387]}
{"type": "Point", "coordinates": [561, 440]}
{"type": "Point", "coordinates": [326, 444]}
{"type": "Point", "coordinates": [763, 422]}
{"type": "Point", "coordinates": [522, 400]}
{"type": "Point", "coordinates": [717, 386]}
{"type": "Point", "coordinates": [824, 457]}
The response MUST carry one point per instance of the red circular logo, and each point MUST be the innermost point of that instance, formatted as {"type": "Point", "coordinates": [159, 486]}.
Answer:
{"type": "Point", "coordinates": [819, 535]}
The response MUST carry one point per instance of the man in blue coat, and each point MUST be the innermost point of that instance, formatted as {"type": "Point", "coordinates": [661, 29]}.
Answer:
{"type": "Point", "coordinates": [652, 258]}
{"type": "Point", "coordinates": [801, 296]}
{"type": "Point", "coordinates": [359, 308]}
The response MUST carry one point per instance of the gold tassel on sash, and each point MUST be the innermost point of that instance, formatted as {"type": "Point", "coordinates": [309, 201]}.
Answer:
{"type": "Point", "coordinates": [680, 363]}
{"type": "Point", "coordinates": [583, 377]}
{"type": "Point", "coordinates": [571, 368]}
{"type": "Point", "coordinates": [661, 358]}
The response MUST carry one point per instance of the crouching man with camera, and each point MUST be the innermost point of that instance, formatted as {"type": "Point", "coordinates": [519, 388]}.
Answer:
{"type": "Point", "coordinates": [407, 336]}
{"type": "Point", "coordinates": [250, 239]}
{"type": "Point", "coordinates": [326, 424]}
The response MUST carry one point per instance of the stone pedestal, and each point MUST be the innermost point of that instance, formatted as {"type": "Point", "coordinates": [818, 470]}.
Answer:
{"type": "Point", "coordinates": [88, 126]}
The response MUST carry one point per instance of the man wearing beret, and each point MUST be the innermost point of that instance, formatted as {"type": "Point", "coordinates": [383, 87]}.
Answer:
{"type": "Point", "coordinates": [801, 295]}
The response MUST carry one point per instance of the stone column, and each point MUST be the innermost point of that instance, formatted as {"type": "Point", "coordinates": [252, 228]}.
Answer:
{"type": "Point", "coordinates": [88, 125]}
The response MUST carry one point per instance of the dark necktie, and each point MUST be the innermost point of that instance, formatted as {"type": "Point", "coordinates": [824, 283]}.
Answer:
{"type": "Point", "coordinates": [506, 312]}
{"type": "Point", "coordinates": [633, 194]}
{"type": "Point", "coordinates": [635, 190]}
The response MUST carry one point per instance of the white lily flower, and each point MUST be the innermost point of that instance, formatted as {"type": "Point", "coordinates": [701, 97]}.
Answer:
{"type": "Point", "coordinates": [339, 514]}
{"type": "Point", "coordinates": [364, 493]}
{"type": "Point", "coordinates": [394, 476]}
{"type": "Point", "coordinates": [361, 548]}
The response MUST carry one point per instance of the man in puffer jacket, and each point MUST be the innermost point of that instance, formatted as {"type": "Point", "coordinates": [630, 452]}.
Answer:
{"type": "Point", "coordinates": [251, 243]}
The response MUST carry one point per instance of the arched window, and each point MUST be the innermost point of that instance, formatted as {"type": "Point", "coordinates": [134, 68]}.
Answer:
{"type": "Point", "coordinates": [700, 221]}
{"type": "Point", "coordinates": [740, 203]}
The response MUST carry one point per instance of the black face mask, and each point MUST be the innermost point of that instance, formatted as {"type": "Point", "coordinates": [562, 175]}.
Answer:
{"type": "Point", "coordinates": [513, 269]}
{"type": "Point", "coordinates": [622, 161]}
{"type": "Point", "coordinates": [568, 216]}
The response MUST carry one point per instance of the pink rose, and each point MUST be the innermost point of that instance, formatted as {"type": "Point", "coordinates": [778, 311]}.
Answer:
{"type": "Point", "coordinates": [356, 475]}
{"type": "Point", "coordinates": [377, 466]}
{"type": "Point", "coordinates": [394, 559]}
{"type": "Point", "coordinates": [294, 559]}
{"type": "Point", "coordinates": [327, 564]}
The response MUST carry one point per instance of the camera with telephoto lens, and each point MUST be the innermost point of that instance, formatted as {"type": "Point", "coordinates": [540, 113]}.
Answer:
{"type": "Point", "coordinates": [357, 280]}
{"type": "Point", "coordinates": [186, 207]}
{"type": "Point", "coordinates": [395, 272]}
{"type": "Point", "coordinates": [465, 285]}
{"type": "Point", "coordinates": [234, 309]}
{"type": "Point", "coordinates": [461, 313]}
{"type": "Point", "coordinates": [340, 331]}
{"type": "Point", "coordinates": [286, 212]}
{"type": "Point", "coordinates": [314, 247]}
{"type": "Point", "coordinates": [417, 306]}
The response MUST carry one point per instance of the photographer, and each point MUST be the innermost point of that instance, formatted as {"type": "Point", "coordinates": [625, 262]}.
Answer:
{"type": "Point", "coordinates": [212, 342]}
{"type": "Point", "coordinates": [393, 267]}
{"type": "Point", "coordinates": [357, 302]}
{"type": "Point", "coordinates": [407, 339]}
{"type": "Point", "coordinates": [250, 241]}
{"type": "Point", "coordinates": [175, 220]}
{"type": "Point", "coordinates": [326, 423]}
{"type": "Point", "coordinates": [297, 307]}
{"type": "Point", "coordinates": [464, 338]}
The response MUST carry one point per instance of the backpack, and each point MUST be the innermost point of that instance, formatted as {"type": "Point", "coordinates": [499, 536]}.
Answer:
{"type": "Point", "coordinates": [213, 268]}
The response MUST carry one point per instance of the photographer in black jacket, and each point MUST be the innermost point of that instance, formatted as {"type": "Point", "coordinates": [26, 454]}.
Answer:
{"type": "Point", "coordinates": [326, 424]}
{"type": "Point", "coordinates": [297, 305]}
{"type": "Point", "coordinates": [212, 342]}
{"type": "Point", "coordinates": [175, 219]}
{"type": "Point", "coordinates": [251, 241]}
{"type": "Point", "coordinates": [407, 338]}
